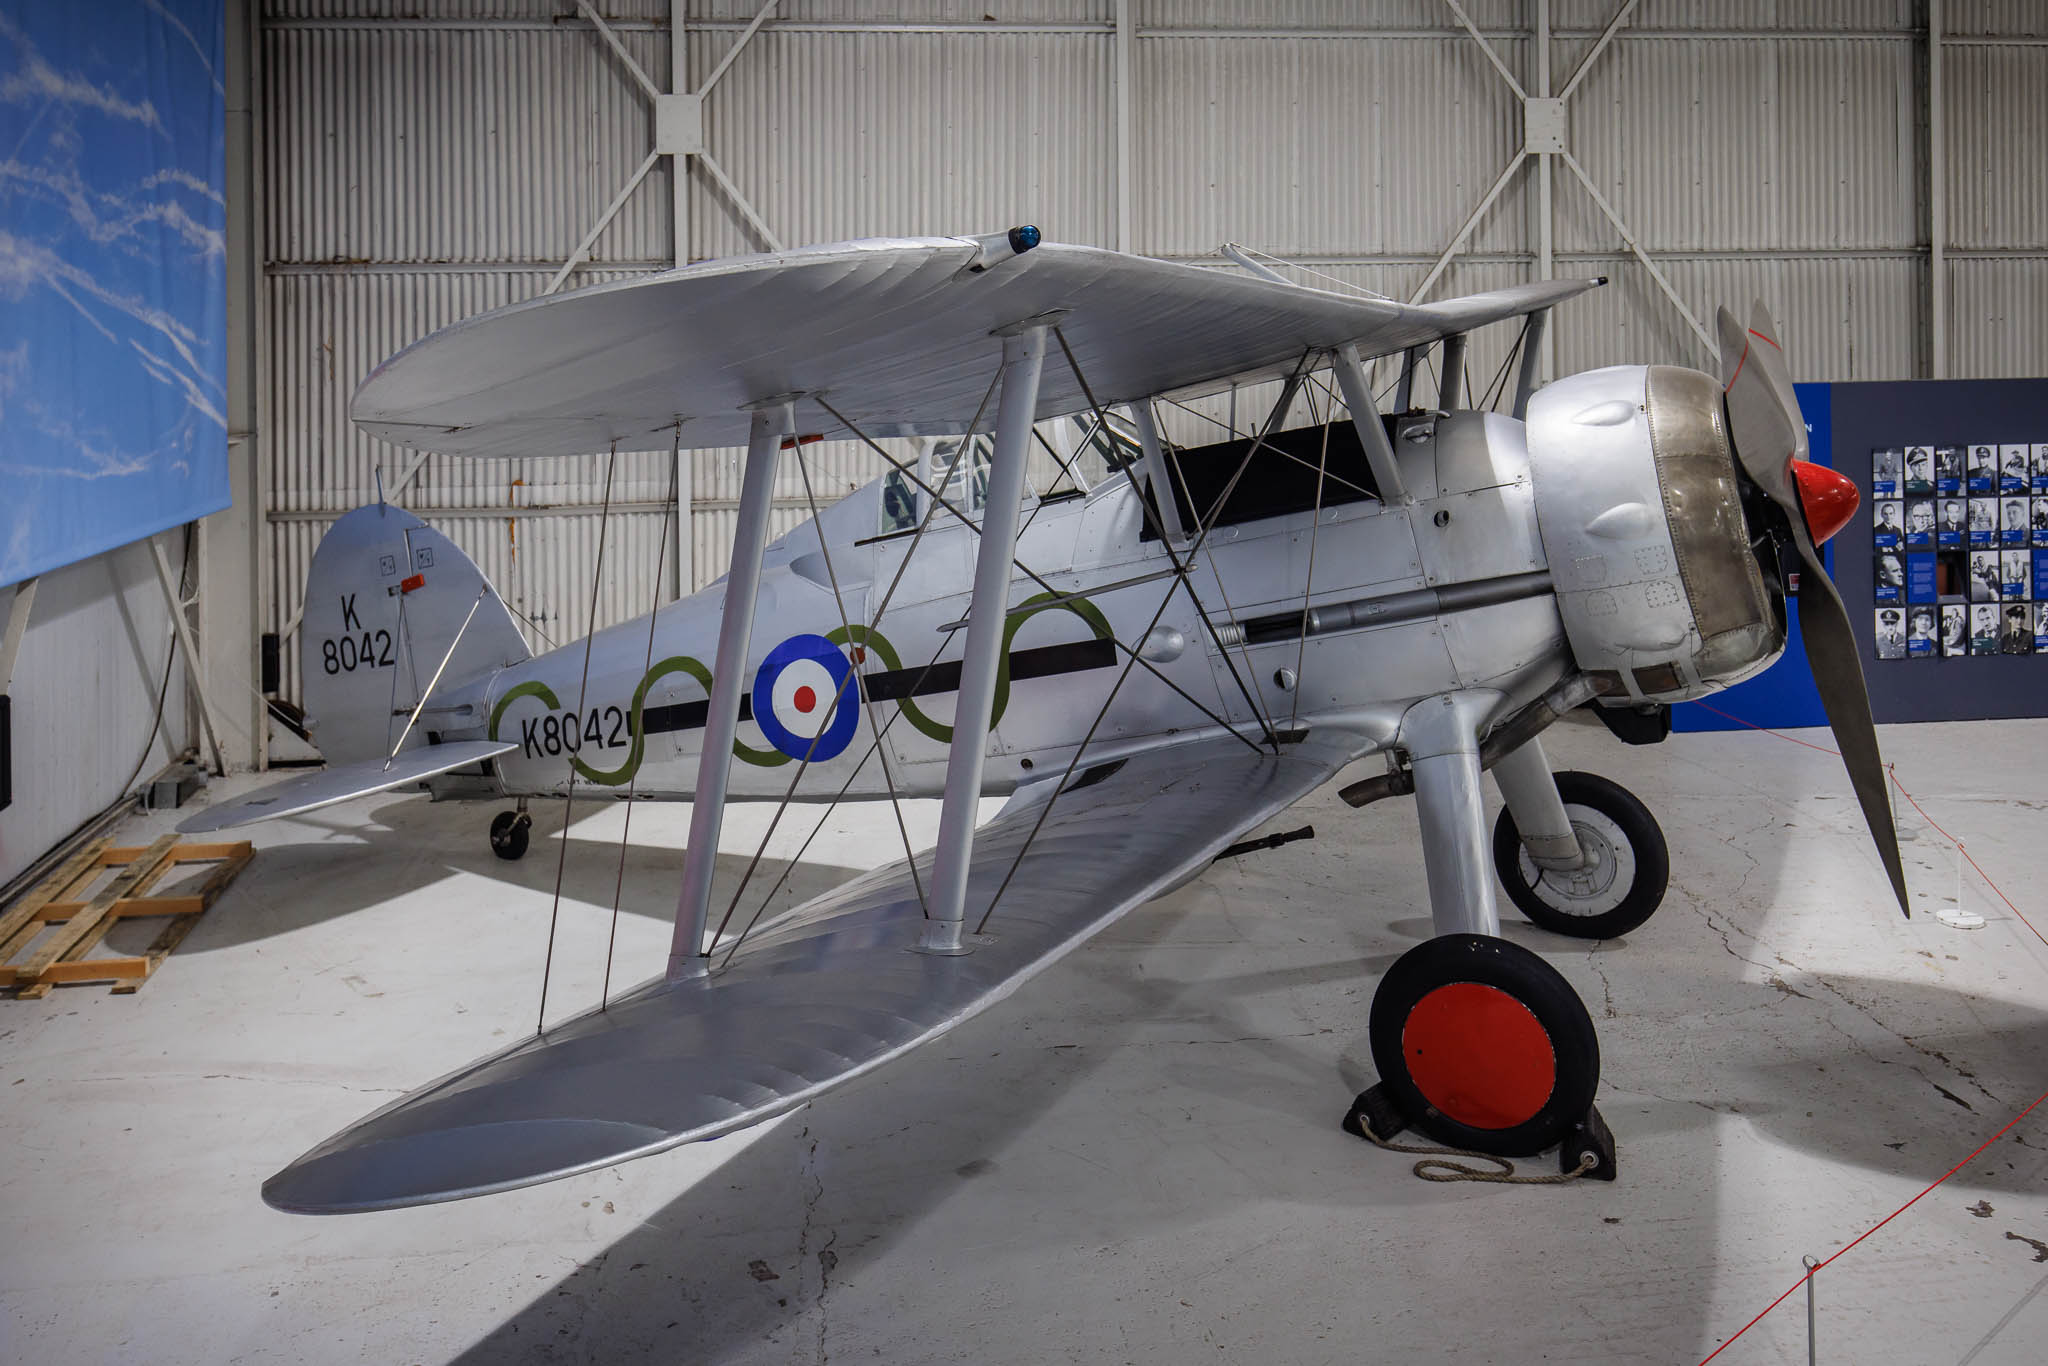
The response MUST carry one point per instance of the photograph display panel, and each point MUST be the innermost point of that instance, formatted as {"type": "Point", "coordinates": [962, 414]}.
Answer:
{"type": "Point", "coordinates": [1960, 550]}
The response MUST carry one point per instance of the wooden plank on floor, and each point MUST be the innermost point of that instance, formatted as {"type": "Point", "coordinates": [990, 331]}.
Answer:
{"type": "Point", "coordinates": [76, 927]}
{"type": "Point", "coordinates": [130, 906]}
{"type": "Point", "coordinates": [97, 970]}
{"type": "Point", "coordinates": [61, 941]}
{"type": "Point", "coordinates": [80, 868]}
{"type": "Point", "coordinates": [160, 948]}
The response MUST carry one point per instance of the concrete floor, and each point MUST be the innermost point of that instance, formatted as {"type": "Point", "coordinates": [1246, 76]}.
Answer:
{"type": "Point", "coordinates": [1134, 1160]}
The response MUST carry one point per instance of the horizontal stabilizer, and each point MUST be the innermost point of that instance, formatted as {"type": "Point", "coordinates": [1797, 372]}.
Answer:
{"type": "Point", "coordinates": [340, 782]}
{"type": "Point", "coordinates": [827, 993]}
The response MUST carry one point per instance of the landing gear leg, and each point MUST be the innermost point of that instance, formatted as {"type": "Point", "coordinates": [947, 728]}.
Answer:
{"type": "Point", "coordinates": [1578, 854]}
{"type": "Point", "coordinates": [1479, 1042]}
{"type": "Point", "coordinates": [509, 830]}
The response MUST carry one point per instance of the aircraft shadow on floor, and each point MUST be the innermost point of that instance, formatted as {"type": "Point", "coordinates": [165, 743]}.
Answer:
{"type": "Point", "coordinates": [355, 869]}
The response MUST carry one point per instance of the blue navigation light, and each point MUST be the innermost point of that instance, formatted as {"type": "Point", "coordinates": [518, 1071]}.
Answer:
{"type": "Point", "coordinates": [1023, 239]}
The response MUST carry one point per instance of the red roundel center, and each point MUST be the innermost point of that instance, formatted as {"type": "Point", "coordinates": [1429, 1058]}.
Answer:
{"type": "Point", "coordinates": [805, 699]}
{"type": "Point", "coordinates": [1479, 1055]}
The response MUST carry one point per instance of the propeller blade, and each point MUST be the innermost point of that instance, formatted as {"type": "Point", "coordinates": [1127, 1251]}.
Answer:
{"type": "Point", "coordinates": [1838, 675]}
{"type": "Point", "coordinates": [1764, 423]}
{"type": "Point", "coordinates": [1768, 433]}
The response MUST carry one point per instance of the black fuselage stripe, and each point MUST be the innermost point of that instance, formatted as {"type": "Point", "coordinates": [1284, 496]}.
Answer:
{"type": "Point", "coordinates": [1044, 661]}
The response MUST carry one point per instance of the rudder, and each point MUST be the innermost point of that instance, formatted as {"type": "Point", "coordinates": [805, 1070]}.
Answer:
{"type": "Point", "coordinates": [385, 597]}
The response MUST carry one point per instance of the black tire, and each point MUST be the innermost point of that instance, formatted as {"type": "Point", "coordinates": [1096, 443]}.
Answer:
{"type": "Point", "coordinates": [1485, 1096]}
{"type": "Point", "coordinates": [509, 834]}
{"type": "Point", "coordinates": [1616, 814]}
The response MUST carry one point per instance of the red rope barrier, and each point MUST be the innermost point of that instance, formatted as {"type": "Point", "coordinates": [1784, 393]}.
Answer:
{"type": "Point", "coordinates": [1880, 1224]}
{"type": "Point", "coordinates": [1891, 771]}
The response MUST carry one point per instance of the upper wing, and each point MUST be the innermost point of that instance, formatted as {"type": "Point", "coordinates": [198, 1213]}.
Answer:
{"type": "Point", "coordinates": [895, 333]}
{"type": "Point", "coordinates": [826, 994]}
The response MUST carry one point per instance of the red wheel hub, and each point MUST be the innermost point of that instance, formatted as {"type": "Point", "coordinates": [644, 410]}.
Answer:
{"type": "Point", "coordinates": [1478, 1055]}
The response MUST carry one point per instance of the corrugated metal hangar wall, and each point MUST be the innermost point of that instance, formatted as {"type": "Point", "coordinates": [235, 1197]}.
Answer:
{"type": "Point", "coordinates": [422, 160]}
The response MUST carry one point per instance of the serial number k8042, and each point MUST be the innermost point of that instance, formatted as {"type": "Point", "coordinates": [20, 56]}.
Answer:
{"type": "Point", "coordinates": [568, 733]}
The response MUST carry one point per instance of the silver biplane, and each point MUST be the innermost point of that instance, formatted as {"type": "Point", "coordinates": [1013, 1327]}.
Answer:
{"type": "Point", "coordinates": [1147, 669]}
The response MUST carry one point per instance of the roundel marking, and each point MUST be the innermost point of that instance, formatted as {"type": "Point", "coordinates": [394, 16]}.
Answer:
{"type": "Point", "coordinates": [803, 699]}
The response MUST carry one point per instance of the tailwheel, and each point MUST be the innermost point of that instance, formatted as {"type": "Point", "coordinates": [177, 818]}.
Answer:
{"type": "Point", "coordinates": [1484, 1046]}
{"type": "Point", "coordinates": [509, 834]}
{"type": "Point", "coordinates": [1626, 863]}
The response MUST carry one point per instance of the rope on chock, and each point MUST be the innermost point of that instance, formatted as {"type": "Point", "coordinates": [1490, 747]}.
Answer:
{"type": "Point", "coordinates": [1438, 1168]}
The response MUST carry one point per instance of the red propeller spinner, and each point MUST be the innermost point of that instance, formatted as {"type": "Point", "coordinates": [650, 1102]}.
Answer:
{"type": "Point", "coordinates": [1827, 497]}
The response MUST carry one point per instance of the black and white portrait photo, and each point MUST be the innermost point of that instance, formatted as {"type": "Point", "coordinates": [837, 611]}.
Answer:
{"type": "Point", "coordinates": [1920, 632]}
{"type": "Point", "coordinates": [1955, 630]}
{"type": "Point", "coordinates": [1984, 576]}
{"type": "Point", "coordinates": [1983, 469]}
{"type": "Point", "coordinates": [2017, 635]}
{"type": "Point", "coordinates": [2041, 628]}
{"type": "Point", "coordinates": [1983, 523]}
{"type": "Point", "coordinates": [1984, 629]}
{"type": "Point", "coordinates": [2014, 522]}
{"type": "Point", "coordinates": [1891, 575]}
{"type": "Point", "coordinates": [1919, 469]}
{"type": "Point", "coordinates": [1920, 523]}
{"type": "Point", "coordinates": [1955, 516]}
{"type": "Point", "coordinates": [2041, 467]}
{"type": "Point", "coordinates": [2012, 469]}
{"type": "Point", "coordinates": [2015, 570]}
{"type": "Point", "coordinates": [1891, 633]}
{"type": "Point", "coordinates": [1888, 522]}
{"type": "Point", "coordinates": [2040, 506]}
{"type": "Point", "coordinates": [1948, 469]}
{"type": "Point", "coordinates": [1884, 472]}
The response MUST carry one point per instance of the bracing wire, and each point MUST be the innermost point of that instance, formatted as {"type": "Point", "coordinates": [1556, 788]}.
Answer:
{"type": "Point", "coordinates": [604, 518]}
{"type": "Point", "coordinates": [1152, 520]}
{"type": "Point", "coordinates": [639, 738]}
{"type": "Point", "coordinates": [1026, 570]}
{"type": "Point", "coordinates": [960, 453]}
{"type": "Point", "coordinates": [1498, 388]}
{"type": "Point", "coordinates": [1308, 587]}
{"type": "Point", "coordinates": [1337, 280]}
{"type": "Point", "coordinates": [1199, 543]}
{"type": "Point", "coordinates": [867, 707]}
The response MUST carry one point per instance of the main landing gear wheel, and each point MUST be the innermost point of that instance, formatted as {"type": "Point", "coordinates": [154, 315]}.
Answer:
{"type": "Point", "coordinates": [509, 832]}
{"type": "Point", "coordinates": [1626, 869]}
{"type": "Point", "coordinates": [1484, 1046]}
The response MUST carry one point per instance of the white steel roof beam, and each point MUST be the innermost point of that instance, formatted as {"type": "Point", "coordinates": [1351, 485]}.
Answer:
{"type": "Point", "coordinates": [739, 201]}
{"type": "Point", "coordinates": [734, 51]}
{"type": "Point", "coordinates": [1628, 240]}
{"type": "Point", "coordinates": [604, 31]}
{"type": "Point", "coordinates": [1621, 17]}
{"type": "Point", "coordinates": [1487, 48]}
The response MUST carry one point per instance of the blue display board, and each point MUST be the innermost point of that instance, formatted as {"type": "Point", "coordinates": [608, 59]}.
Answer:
{"type": "Point", "coordinates": [1783, 695]}
{"type": "Point", "coordinates": [113, 306]}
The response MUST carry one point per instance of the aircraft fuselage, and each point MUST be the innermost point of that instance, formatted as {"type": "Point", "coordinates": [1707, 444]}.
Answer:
{"type": "Point", "coordinates": [1390, 613]}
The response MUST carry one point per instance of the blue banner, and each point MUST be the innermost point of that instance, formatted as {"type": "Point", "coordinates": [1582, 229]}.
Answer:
{"type": "Point", "coordinates": [113, 303]}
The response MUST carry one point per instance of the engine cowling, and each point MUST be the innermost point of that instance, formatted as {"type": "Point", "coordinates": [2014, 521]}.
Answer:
{"type": "Point", "coordinates": [1639, 505]}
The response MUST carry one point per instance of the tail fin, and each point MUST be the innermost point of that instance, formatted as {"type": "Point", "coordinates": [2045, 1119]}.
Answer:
{"type": "Point", "coordinates": [386, 597]}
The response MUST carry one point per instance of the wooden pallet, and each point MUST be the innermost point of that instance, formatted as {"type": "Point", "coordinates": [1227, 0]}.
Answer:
{"type": "Point", "coordinates": [54, 925]}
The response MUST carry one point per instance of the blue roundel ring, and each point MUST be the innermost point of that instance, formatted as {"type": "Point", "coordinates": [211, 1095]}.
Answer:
{"type": "Point", "coordinates": [829, 743]}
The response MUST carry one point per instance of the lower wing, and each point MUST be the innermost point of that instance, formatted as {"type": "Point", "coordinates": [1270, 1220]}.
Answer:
{"type": "Point", "coordinates": [828, 992]}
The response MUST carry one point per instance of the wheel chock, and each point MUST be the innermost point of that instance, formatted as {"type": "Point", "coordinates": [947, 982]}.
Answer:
{"type": "Point", "coordinates": [1374, 1106]}
{"type": "Point", "coordinates": [1589, 1139]}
